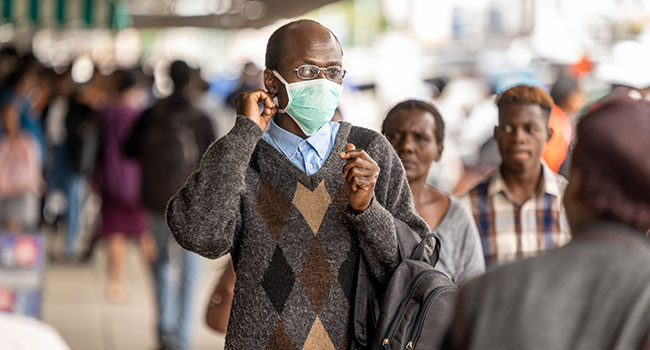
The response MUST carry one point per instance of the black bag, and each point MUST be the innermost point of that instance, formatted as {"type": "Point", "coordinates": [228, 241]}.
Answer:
{"type": "Point", "coordinates": [417, 306]}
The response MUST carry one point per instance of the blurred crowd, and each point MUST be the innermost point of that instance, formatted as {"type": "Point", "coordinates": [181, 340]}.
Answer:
{"type": "Point", "coordinates": [65, 169]}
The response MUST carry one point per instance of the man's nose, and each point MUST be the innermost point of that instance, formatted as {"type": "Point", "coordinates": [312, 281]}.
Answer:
{"type": "Point", "coordinates": [519, 135]}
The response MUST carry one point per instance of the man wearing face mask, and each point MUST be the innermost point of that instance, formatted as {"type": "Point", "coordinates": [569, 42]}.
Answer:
{"type": "Point", "coordinates": [298, 204]}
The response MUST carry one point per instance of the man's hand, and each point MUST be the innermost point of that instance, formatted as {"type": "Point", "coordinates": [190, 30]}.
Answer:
{"type": "Point", "coordinates": [360, 174]}
{"type": "Point", "coordinates": [246, 104]}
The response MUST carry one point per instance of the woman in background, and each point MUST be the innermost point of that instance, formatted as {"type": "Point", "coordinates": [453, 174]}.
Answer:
{"type": "Point", "coordinates": [415, 129]}
{"type": "Point", "coordinates": [21, 182]}
{"type": "Point", "coordinates": [118, 180]}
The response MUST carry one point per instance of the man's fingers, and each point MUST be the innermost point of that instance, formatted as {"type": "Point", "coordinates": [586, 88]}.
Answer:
{"type": "Point", "coordinates": [352, 163]}
{"type": "Point", "coordinates": [348, 149]}
{"type": "Point", "coordinates": [355, 163]}
{"type": "Point", "coordinates": [359, 172]}
{"type": "Point", "coordinates": [359, 182]}
{"type": "Point", "coordinates": [267, 100]}
{"type": "Point", "coordinates": [269, 112]}
{"type": "Point", "coordinates": [355, 153]}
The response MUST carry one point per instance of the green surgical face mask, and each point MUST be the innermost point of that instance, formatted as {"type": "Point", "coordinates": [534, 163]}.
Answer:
{"type": "Point", "coordinates": [311, 102]}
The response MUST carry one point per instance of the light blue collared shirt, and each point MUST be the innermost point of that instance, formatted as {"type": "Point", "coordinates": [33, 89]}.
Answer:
{"type": "Point", "coordinates": [308, 154]}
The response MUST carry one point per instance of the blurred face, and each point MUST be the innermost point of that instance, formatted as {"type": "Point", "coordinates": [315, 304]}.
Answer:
{"type": "Point", "coordinates": [10, 121]}
{"type": "Point", "coordinates": [576, 101]}
{"type": "Point", "coordinates": [521, 135]}
{"type": "Point", "coordinates": [412, 133]}
{"type": "Point", "coordinates": [304, 44]}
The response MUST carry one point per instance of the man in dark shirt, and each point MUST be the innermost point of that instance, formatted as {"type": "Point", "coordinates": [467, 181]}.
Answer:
{"type": "Point", "coordinates": [168, 140]}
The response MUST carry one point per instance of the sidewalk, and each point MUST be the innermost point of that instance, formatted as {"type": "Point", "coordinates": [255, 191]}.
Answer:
{"type": "Point", "coordinates": [74, 303]}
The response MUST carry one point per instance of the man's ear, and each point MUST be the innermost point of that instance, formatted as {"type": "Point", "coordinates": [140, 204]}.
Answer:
{"type": "Point", "coordinates": [270, 82]}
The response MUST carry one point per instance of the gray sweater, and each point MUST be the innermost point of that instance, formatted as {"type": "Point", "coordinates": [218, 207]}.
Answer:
{"type": "Point", "coordinates": [593, 293]}
{"type": "Point", "coordinates": [461, 254]}
{"type": "Point", "coordinates": [294, 244]}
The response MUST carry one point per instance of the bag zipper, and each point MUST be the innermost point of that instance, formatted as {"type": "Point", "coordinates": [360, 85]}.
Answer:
{"type": "Point", "coordinates": [385, 344]}
{"type": "Point", "coordinates": [419, 320]}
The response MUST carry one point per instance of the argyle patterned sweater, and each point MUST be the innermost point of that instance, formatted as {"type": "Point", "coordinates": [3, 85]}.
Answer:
{"type": "Point", "coordinates": [294, 244]}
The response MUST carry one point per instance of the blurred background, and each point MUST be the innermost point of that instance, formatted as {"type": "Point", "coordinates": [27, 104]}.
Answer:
{"type": "Point", "coordinates": [63, 61]}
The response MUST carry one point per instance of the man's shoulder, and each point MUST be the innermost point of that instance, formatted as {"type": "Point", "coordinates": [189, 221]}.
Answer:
{"type": "Point", "coordinates": [560, 181]}
{"type": "Point", "coordinates": [362, 132]}
{"type": "Point", "coordinates": [370, 140]}
{"type": "Point", "coordinates": [458, 213]}
{"type": "Point", "coordinates": [500, 277]}
{"type": "Point", "coordinates": [480, 188]}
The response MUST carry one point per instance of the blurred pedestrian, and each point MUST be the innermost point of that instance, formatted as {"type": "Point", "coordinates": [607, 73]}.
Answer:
{"type": "Point", "coordinates": [168, 140]}
{"type": "Point", "coordinates": [8, 61]}
{"type": "Point", "coordinates": [22, 86]}
{"type": "Point", "coordinates": [21, 182]}
{"type": "Point", "coordinates": [569, 99]}
{"type": "Point", "coordinates": [593, 293]}
{"type": "Point", "coordinates": [65, 183]}
{"type": "Point", "coordinates": [567, 94]}
{"type": "Point", "coordinates": [118, 181]}
{"type": "Point", "coordinates": [249, 79]}
{"type": "Point", "coordinates": [82, 147]}
{"type": "Point", "coordinates": [416, 131]}
{"type": "Point", "coordinates": [518, 208]}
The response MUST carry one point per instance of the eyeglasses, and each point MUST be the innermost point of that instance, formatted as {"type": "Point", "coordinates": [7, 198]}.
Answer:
{"type": "Point", "coordinates": [310, 71]}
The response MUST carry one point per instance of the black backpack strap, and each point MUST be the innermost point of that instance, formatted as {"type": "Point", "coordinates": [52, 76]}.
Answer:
{"type": "Point", "coordinates": [428, 249]}
{"type": "Point", "coordinates": [414, 247]}
{"type": "Point", "coordinates": [361, 304]}
{"type": "Point", "coordinates": [407, 240]}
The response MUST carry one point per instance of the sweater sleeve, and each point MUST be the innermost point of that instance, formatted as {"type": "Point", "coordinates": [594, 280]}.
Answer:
{"type": "Point", "coordinates": [204, 215]}
{"type": "Point", "coordinates": [375, 226]}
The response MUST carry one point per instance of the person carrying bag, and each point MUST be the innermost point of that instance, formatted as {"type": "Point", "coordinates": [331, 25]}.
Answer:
{"type": "Point", "coordinates": [417, 306]}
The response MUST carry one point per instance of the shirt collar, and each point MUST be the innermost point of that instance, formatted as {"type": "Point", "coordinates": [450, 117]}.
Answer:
{"type": "Point", "coordinates": [289, 143]}
{"type": "Point", "coordinates": [550, 183]}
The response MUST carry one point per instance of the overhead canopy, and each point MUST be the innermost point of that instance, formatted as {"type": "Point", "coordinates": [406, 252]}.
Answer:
{"type": "Point", "coordinates": [64, 13]}
{"type": "Point", "coordinates": [241, 14]}
{"type": "Point", "coordinates": [224, 14]}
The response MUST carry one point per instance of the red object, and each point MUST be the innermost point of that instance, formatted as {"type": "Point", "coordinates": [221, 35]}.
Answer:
{"type": "Point", "coordinates": [25, 252]}
{"type": "Point", "coordinates": [581, 68]}
{"type": "Point", "coordinates": [6, 299]}
{"type": "Point", "coordinates": [556, 148]}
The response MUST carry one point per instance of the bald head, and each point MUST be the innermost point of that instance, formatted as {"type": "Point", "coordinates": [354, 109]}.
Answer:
{"type": "Point", "coordinates": [285, 40]}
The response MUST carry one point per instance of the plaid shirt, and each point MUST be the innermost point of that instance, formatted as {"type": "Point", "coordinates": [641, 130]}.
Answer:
{"type": "Point", "coordinates": [510, 231]}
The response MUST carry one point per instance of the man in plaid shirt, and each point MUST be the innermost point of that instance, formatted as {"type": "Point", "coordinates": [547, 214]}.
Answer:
{"type": "Point", "coordinates": [518, 208]}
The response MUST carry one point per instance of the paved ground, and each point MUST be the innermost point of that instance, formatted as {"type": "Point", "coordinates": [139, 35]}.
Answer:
{"type": "Point", "coordinates": [74, 303]}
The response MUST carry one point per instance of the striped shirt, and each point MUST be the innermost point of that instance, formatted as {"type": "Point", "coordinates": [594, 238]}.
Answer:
{"type": "Point", "coordinates": [511, 231]}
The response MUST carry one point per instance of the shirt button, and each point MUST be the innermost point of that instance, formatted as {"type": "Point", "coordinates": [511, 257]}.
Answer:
{"type": "Point", "coordinates": [311, 166]}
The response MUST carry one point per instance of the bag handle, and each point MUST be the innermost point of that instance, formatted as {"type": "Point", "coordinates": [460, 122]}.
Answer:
{"type": "Point", "coordinates": [412, 246]}
{"type": "Point", "coordinates": [424, 250]}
